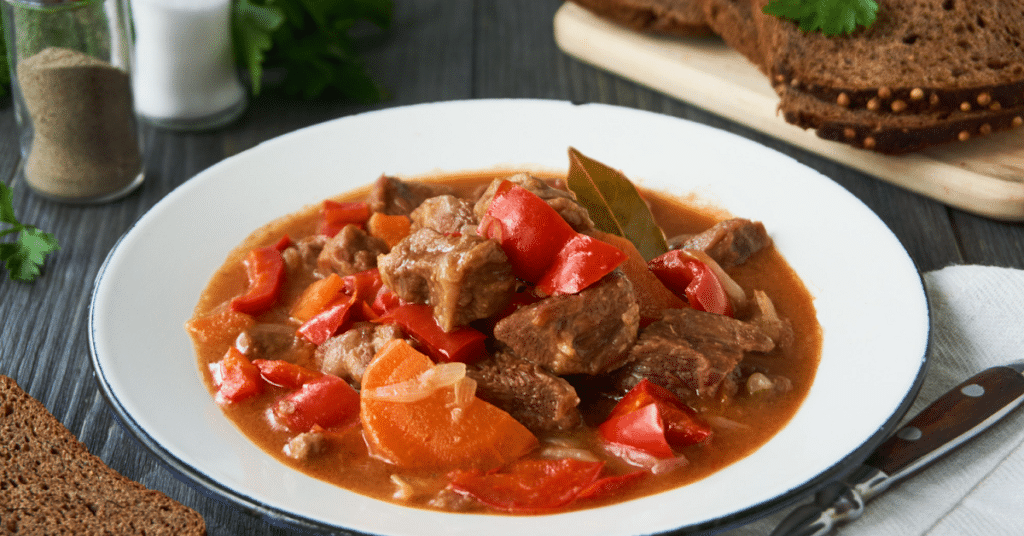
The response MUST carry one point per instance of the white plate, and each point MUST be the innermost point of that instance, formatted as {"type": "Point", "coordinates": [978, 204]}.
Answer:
{"type": "Point", "coordinates": [868, 295]}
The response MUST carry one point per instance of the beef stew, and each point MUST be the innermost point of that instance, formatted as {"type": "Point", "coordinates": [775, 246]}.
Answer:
{"type": "Point", "coordinates": [590, 395]}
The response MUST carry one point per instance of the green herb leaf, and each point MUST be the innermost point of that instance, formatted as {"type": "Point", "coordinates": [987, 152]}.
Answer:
{"type": "Point", "coordinates": [310, 43]}
{"type": "Point", "coordinates": [831, 17]}
{"type": "Point", "coordinates": [614, 204]}
{"type": "Point", "coordinates": [252, 27]}
{"type": "Point", "coordinates": [24, 257]}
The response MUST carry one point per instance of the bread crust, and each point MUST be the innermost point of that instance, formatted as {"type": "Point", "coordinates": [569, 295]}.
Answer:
{"type": "Point", "coordinates": [733, 21]}
{"type": "Point", "coordinates": [683, 18]}
{"type": "Point", "coordinates": [50, 483]}
{"type": "Point", "coordinates": [918, 57]}
{"type": "Point", "coordinates": [927, 72]}
{"type": "Point", "coordinates": [893, 134]}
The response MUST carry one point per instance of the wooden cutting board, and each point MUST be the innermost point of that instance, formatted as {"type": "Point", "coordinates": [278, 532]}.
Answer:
{"type": "Point", "coordinates": [984, 176]}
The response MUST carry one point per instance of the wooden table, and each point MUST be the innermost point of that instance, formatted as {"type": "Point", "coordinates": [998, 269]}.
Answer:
{"type": "Point", "coordinates": [437, 50]}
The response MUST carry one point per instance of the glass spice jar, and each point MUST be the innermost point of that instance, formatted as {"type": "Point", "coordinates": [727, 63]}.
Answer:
{"type": "Point", "coordinates": [185, 77]}
{"type": "Point", "coordinates": [70, 66]}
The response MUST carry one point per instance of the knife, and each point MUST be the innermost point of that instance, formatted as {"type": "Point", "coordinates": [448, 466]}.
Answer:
{"type": "Point", "coordinates": [954, 418]}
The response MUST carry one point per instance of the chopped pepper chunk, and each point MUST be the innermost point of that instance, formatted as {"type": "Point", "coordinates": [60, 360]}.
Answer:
{"type": "Point", "coordinates": [463, 344]}
{"type": "Point", "coordinates": [235, 377]}
{"type": "Point", "coordinates": [265, 270]}
{"type": "Point", "coordinates": [528, 485]}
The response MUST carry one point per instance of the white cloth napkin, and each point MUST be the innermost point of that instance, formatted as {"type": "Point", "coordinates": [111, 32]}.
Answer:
{"type": "Point", "coordinates": [977, 322]}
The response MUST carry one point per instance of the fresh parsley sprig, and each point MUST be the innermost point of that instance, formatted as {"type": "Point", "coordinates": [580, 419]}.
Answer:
{"type": "Point", "coordinates": [26, 254]}
{"type": "Point", "coordinates": [310, 42]}
{"type": "Point", "coordinates": [830, 17]}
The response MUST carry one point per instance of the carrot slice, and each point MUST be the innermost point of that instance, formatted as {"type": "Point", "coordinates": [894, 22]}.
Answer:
{"type": "Point", "coordinates": [391, 229]}
{"type": "Point", "coordinates": [219, 329]}
{"type": "Point", "coordinates": [428, 434]}
{"type": "Point", "coordinates": [317, 296]}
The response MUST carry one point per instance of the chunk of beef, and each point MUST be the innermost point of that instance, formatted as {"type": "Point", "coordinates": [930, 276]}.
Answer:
{"type": "Point", "coordinates": [563, 201]}
{"type": "Point", "coordinates": [301, 256]}
{"type": "Point", "coordinates": [305, 446]}
{"type": "Point", "coordinates": [300, 265]}
{"type": "Point", "coordinates": [394, 196]}
{"type": "Point", "coordinates": [729, 242]}
{"type": "Point", "coordinates": [463, 277]}
{"type": "Point", "coordinates": [445, 214]}
{"type": "Point", "coordinates": [350, 251]}
{"type": "Point", "coordinates": [691, 352]}
{"type": "Point", "coordinates": [273, 341]}
{"type": "Point", "coordinates": [347, 355]}
{"type": "Point", "coordinates": [536, 398]}
{"type": "Point", "coordinates": [588, 332]}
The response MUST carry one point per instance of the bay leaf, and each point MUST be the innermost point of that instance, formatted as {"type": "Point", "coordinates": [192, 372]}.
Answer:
{"type": "Point", "coordinates": [614, 204]}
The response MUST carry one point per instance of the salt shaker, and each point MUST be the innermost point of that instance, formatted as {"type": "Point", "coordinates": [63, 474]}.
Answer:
{"type": "Point", "coordinates": [71, 82]}
{"type": "Point", "coordinates": [185, 74]}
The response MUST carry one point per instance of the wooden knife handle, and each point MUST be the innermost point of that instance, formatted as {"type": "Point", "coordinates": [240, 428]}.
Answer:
{"type": "Point", "coordinates": [951, 420]}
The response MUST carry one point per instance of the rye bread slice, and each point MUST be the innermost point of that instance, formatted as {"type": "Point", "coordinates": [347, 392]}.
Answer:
{"type": "Point", "coordinates": [51, 484]}
{"type": "Point", "coordinates": [919, 57]}
{"type": "Point", "coordinates": [733, 21]}
{"type": "Point", "coordinates": [683, 18]}
{"type": "Point", "coordinates": [892, 133]}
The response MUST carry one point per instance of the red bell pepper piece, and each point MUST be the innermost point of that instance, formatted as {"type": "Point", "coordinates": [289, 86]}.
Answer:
{"type": "Point", "coordinates": [581, 262]}
{"type": "Point", "coordinates": [283, 243]}
{"type": "Point", "coordinates": [265, 270]}
{"type": "Point", "coordinates": [529, 486]}
{"type": "Point", "coordinates": [653, 419]}
{"type": "Point", "coordinates": [285, 374]}
{"type": "Point", "coordinates": [385, 300]}
{"type": "Point", "coordinates": [327, 401]}
{"type": "Point", "coordinates": [365, 283]}
{"type": "Point", "coordinates": [682, 425]}
{"type": "Point", "coordinates": [610, 485]}
{"type": "Point", "coordinates": [641, 429]}
{"type": "Point", "coordinates": [329, 321]}
{"type": "Point", "coordinates": [530, 232]}
{"type": "Point", "coordinates": [235, 377]}
{"type": "Point", "coordinates": [337, 215]}
{"type": "Point", "coordinates": [463, 344]}
{"type": "Point", "coordinates": [692, 279]}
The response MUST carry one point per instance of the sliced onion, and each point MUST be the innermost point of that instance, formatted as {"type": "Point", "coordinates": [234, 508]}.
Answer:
{"type": "Point", "coordinates": [669, 464]}
{"type": "Point", "coordinates": [490, 227]}
{"type": "Point", "coordinates": [420, 387]}
{"type": "Point", "coordinates": [639, 458]}
{"type": "Point", "coordinates": [556, 452]}
{"type": "Point", "coordinates": [736, 294]}
{"type": "Point", "coordinates": [758, 382]}
{"type": "Point", "coordinates": [767, 318]}
{"type": "Point", "coordinates": [404, 491]}
{"type": "Point", "coordinates": [465, 392]}
{"type": "Point", "coordinates": [722, 423]}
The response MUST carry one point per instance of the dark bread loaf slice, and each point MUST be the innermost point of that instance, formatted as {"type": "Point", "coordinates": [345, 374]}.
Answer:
{"type": "Point", "coordinates": [919, 57]}
{"type": "Point", "coordinates": [671, 17]}
{"type": "Point", "coordinates": [51, 484]}
{"type": "Point", "coordinates": [733, 21]}
{"type": "Point", "coordinates": [892, 133]}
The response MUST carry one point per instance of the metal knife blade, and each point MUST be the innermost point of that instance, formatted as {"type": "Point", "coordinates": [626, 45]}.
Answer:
{"type": "Point", "coordinates": [951, 420]}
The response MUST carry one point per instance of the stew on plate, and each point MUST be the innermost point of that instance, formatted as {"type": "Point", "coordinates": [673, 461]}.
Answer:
{"type": "Point", "coordinates": [508, 343]}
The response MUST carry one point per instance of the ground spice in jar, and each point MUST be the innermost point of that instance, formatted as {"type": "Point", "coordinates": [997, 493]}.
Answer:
{"type": "Point", "coordinates": [85, 143]}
